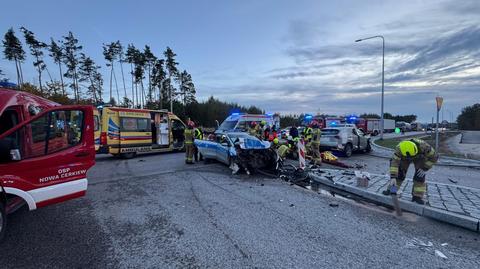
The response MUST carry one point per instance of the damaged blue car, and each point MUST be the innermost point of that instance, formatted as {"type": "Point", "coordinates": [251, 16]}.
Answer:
{"type": "Point", "coordinates": [238, 150]}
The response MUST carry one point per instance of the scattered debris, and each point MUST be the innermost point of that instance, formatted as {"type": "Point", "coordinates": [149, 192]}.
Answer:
{"type": "Point", "coordinates": [330, 178]}
{"type": "Point", "coordinates": [438, 253]}
{"type": "Point", "coordinates": [141, 160]}
{"type": "Point", "coordinates": [362, 178]}
{"type": "Point", "coordinates": [292, 205]}
{"type": "Point", "coordinates": [281, 200]}
{"type": "Point", "coordinates": [262, 184]}
{"type": "Point", "coordinates": [348, 173]}
{"type": "Point", "coordinates": [453, 180]}
{"type": "Point", "coordinates": [419, 243]}
{"type": "Point", "coordinates": [444, 244]}
{"type": "Point", "coordinates": [333, 204]}
{"type": "Point", "coordinates": [359, 166]}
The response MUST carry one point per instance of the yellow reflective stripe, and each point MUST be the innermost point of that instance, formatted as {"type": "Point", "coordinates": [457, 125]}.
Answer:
{"type": "Point", "coordinates": [188, 142]}
{"type": "Point", "coordinates": [420, 189]}
{"type": "Point", "coordinates": [393, 169]}
{"type": "Point", "coordinates": [431, 153]}
{"type": "Point", "coordinates": [429, 164]}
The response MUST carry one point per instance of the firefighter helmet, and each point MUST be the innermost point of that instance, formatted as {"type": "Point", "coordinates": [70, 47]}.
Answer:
{"type": "Point", "coordinates": [408, 148]}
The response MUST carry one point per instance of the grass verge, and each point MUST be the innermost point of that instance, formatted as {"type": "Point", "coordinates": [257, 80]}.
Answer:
{"type": "Point", "coordinates": [429, 138]}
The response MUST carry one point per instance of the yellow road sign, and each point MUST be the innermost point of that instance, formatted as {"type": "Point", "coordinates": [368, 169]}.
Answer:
{"type": "Point", "coordinates": [439, 102]}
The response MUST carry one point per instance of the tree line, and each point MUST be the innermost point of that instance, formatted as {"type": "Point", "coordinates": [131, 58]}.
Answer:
{"type": "Point", "coordinates": [156, 81]}
{"type": "Point", "coordinates": [469, 119]}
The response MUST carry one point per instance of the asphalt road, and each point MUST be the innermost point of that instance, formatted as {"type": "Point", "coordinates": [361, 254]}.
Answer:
{"type": "Point", "coordinates": [156, 212]}
{"type": "Point", "coordinates": [471, 137]}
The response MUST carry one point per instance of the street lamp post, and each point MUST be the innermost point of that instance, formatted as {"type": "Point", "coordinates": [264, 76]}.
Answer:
{"type": "Point", "coordinates": [383, 77]}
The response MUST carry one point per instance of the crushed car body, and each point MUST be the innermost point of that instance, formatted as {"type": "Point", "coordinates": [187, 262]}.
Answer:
{"type": "Point", "coordinates": [239, 151]}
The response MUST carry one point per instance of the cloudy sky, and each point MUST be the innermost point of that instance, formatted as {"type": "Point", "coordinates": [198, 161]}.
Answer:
{"type": "Point", "coordinates": [286, 56]}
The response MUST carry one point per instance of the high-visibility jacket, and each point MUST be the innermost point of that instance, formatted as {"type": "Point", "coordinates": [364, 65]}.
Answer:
{"type": "Point", "coordinates": [198, 134]}
{"type": "Point", "coordinates": [252, 131]}
{"type": "Point", "coordinates": [259, 132]}
{"type": "Point", "coordinates": [283, 151]}
{"type": "Point", "coordinates": [188, 133]}
{"type": "Point", "coordinates": [307, 133]}
{"type": "Point", "coordinates": [426, 155]}
{"type": "Point", "coordinates": [316, 134]}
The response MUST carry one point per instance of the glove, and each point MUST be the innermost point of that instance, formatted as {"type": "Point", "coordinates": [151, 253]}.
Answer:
{"type": "Point", "coordinates": [420, 173]}
{"type": "Point", "coordinates": [393, 186]}
{"type": "Point", "coordinates": [393, 189]}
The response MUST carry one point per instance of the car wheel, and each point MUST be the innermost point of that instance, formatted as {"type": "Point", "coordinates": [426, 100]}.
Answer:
{"type": "Point", "coordinates": [375, 133]}
{"type": "Point", "coordinates": [128, 155]}
{"type": "Point", "coordinates": [3, 221]}
{"type": "Point", "coordinates": [206, 160]}
{"type": "Point", "coordinates": [348, 150]}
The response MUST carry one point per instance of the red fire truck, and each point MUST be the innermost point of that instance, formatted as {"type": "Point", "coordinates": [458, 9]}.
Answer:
{"type": "Point", "coordinates": [45, 152]}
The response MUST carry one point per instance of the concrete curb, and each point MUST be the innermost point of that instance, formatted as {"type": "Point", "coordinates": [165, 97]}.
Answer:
{"type": "Point", "coordinates": [461, 162]}
{"type": "Point", "coordinates": [463, 221]}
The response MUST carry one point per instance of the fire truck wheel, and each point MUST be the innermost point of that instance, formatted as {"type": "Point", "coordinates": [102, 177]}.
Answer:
{"type": "Point", "coordinates": [3, 221]}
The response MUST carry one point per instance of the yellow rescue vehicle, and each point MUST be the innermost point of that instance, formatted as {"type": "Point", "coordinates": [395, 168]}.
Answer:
{"type": "Point", "coordinates": [126, 131]}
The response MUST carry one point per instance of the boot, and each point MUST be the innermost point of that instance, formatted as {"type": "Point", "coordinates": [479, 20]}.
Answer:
{"type": "Point", "coordinates": [386, 192]}
{"type": "Point", "coordinates": [418, 200]}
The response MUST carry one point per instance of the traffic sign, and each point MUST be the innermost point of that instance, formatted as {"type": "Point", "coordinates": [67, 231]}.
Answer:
{"type": "Point", "coordinates": [439, 102]}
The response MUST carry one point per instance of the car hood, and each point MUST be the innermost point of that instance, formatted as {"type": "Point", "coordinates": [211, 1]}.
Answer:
{"type": "Point", "coordinates": [252, 143]}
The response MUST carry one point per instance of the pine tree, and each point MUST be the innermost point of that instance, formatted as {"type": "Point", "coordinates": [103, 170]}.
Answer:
{"type": "Point", "coordinates": [2, 76]}
{"type": "Point", "coordinates": [89, 72]}
{"type": "Point", "coordinates": [130, 58]}
{"type": "Point", "coordinates": [70, 58]}
{"type": "Point", "coordinates": [186, 88]}
{"type": "Point", "coordinates": [139, 74]}
{"type": "Point", "coordinates": [149, 63]}
{"type": "Point", "coordinates": [110, 52]}
{"type": "Point", "coordinates": [56, 52]}
{"type": "Point", "coordinates": [36, 49]}
{"type": "Point", "coordinates": [171, 66]}
{"type": "Point", "coordinates": [159, 79]}
{"type": "Point", "coordinates": [121, 60]}
{"type": "Point", "coordinates": [13, 51]}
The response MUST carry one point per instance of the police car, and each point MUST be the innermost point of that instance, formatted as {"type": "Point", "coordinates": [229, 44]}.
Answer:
{"type": "Point", "coordinates": [230, 147]}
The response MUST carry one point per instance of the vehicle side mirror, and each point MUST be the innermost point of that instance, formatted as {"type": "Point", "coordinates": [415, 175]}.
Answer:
{"type": "Point", "coordinates": [218, 124]}
{"type": "Point", "coordinates": [15, 155]}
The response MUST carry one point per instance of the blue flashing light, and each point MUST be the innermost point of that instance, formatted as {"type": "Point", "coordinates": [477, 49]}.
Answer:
{"type": "Point", "coordinates": [235, 114]}
{"type": "Point", "coordinates": [333, 123]}
{"type": "Point", "coordinates": [269, 114]}
{"type": "Point", "coordinates": [308, 117]}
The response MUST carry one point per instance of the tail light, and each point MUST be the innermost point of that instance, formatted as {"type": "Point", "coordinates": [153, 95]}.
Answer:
{"type": "Point", "coordinates": [103, 138]}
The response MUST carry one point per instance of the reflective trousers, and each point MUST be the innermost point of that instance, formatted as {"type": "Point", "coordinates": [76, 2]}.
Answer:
{"type": "Point", "coordinates": [419, 184]}
{"type": "Point", "coordinates": [189, 153]}
{"type": "Point", "coordinates": [315, 150]}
